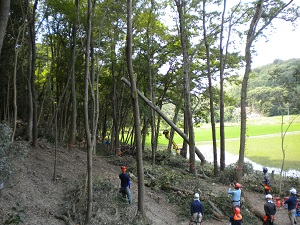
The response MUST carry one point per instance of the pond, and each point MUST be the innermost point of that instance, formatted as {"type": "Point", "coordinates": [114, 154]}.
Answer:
{"type": "Point", "coordinates": [206, 150]}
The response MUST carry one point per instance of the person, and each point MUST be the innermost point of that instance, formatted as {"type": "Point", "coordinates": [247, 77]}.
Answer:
{"type": "Point", "coordinates": [125, 184]}
{"type": "Point", "coordinates": [291, 203]}
{"type": "Point", "coordinates": [197, 211]}
{"type": "Point", "coordinates": [270, 210]}
{"type": "Point", "coordinates": [235, 191]}
{"type": "Point", "coordinates": [237, 218]}
{"type": "Point", "coordinates": [266, 181]}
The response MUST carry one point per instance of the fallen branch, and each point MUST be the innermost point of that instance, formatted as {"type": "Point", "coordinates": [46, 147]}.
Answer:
{"type": "Point", "coordinates": [179, 189]}
{"type": "Point", "coordinates": [67, 220]}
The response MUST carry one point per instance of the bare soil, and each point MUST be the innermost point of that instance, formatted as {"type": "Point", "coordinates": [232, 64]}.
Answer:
{"type": "Point", "coordinates": [33, 191]}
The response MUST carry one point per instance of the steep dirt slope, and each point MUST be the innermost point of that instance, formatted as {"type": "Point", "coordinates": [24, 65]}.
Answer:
{"type": "Point", "coordinates": [32, 189]}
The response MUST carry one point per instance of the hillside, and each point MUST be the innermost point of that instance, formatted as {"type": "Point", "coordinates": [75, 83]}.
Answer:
{"type": "Point", "coordinates": [32, 191]}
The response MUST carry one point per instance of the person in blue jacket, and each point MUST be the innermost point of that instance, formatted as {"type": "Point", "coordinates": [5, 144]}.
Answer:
{"type": "Point", "coordinates": [292, 202]}
{"type": "Point", "coordinates": [236, 194]}
{"type": "Point", "coordinates": [125, 184]}
{"type": "Point", "coordinates": [197, 211]}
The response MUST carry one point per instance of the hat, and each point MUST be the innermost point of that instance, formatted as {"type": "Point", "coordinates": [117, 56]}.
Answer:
{"type": "Point", "coordinates": [238, 185]}
{"type": "Point", "coordinates": [237, 210]}
{"type": "Point", "coordinates": [269, 196]}
{"type": "Point", "coordinates": [196, 195]}
{"type": "Point", "coordinates": [293, 191]}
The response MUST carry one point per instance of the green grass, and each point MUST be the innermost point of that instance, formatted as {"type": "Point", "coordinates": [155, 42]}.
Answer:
{"type": "Point", "coordinates": [263, 143]}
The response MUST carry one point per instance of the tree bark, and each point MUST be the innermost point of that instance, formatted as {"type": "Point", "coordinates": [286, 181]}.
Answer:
{"type": "Point", "coordinates": [210, 88]}
{"type": "Point", "coordinates": [73, 82]}
{"type": "Point", "coordinates": [180, 4]}
{"type": "Point", "coordinates": [86, 117]}
{"type": "Point", "coordinates": [136, 113]}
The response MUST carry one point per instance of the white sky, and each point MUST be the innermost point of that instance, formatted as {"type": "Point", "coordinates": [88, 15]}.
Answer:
{"type": "Point", "coordinates": [283, 44]}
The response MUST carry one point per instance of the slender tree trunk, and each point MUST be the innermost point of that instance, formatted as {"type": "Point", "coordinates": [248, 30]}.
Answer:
{"type": "Point", "coordinates": [250, 39]}
{"type": "Point", "coordinates": [15, 106]}
{"type": "Point", "coordinates": [86, 117]}
{"type": "Point", "coordinates": [186, 80]}
{"type": "Point", "coordinates": [136, 113]}
{"type": "Point", "coordinates": [73, 82]}
{"type": "Point", "coordinates": [211, 102]}
{"type": "Point", "coordinates": [32, 36]}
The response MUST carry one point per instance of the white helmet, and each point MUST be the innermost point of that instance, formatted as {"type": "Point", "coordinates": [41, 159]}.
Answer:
{"type": "Point", "coordinates": [196, 195]}
{"type": "Point", "coordinates": [269, 196]}
{"type": "Point", "coordinates": [293, 191]}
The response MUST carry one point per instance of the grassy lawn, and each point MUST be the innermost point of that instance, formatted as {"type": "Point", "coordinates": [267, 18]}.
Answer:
{"type": "Point", "coordinates": [263, 143]}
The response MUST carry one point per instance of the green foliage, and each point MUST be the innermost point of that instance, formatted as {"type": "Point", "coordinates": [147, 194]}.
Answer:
{"type": "Point", "coordinates": [17, 216]}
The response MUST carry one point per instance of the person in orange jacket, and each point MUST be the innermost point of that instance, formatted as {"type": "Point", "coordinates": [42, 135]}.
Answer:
{"type": "Point", "coordinates": [237, 218]}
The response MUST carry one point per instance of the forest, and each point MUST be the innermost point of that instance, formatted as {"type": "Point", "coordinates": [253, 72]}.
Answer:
{"type": "Point", "coordinates": [93, 71]}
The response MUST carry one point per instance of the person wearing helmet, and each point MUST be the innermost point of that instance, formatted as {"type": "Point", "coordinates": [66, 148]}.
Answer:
{"type": "Point", "coordinates": [125, 184]}
{"type": "Point", "coordinates": [270, 210]}
{"type": "Point", "coordinates": [197, 211]}
{"type": "Point", "coordinates": [235, 191]}
{"type": "Point", "coordinates": [237, 218]}
{"type": "Point", "coordinates": [292, 202]}
{"type": "Point", "coordinates": [266, 181]}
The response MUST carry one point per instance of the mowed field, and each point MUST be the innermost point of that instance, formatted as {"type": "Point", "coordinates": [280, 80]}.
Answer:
{"type": "Point", "coordinates": [264, 142]}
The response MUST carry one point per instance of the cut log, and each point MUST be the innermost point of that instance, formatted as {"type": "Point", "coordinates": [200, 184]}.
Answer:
{"type": "Point", "coordinates": [252, 208]}
{"type": "Point", "coordinates": [179, 189]}
{"type": "Point", "coordinates": [216, 212]}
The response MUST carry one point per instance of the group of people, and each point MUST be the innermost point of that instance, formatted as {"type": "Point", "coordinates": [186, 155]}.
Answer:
{"type": "Point", "coordinates": [197, 211]}
{"type": "Point", "coordinates": [270, 208]}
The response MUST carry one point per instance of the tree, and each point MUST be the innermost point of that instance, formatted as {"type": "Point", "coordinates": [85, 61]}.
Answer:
{"type": "Point", "coordinates": [186, 80]}
{"type": "Point", "coordinates": [210, 88]}
{"type": "Point", "coordinates": [87, 78]}
{"type": "Point", "coordinates": [264, 15]}
{"type": "Point", "coordinates": [136, 113]}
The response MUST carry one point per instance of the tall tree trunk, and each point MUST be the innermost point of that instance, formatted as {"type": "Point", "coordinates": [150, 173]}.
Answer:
{"type": "Point", "coordinates": [186, 80]}
{"type": "Point", "coordinates": [73, 132]}
{"type": "Point", "coordinates": [152, 85]}
{"type": "Point", "coordinates": [136, 112]}
{"type": "Point", "coordinates": [32, 53]}
{"type": "Point", "coordinates": [15, 106]}
{"type": "Point", "coordinates": [211, 102]}
{"type": "Point", "coordinates": [86, 117]}
{"type": "Point", "coordinates": [4, 13]}
{"type": "Point", "coordinates": [252, 34]}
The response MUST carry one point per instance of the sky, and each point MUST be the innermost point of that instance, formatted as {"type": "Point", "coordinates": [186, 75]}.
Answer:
{"type": "Point", "coordinates": [283, 44]}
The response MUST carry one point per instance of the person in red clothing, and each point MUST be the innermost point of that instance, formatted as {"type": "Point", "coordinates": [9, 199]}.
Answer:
{"type": "Point", "coordinates": [237, 218]}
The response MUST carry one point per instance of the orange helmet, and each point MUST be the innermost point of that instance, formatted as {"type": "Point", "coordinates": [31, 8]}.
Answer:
{"type": "Point", "coordinates": [123, 168]}
{"type": "Point", "coordinates": [238, 185]}
{"type": "Point", "coordinates": [237, 210]}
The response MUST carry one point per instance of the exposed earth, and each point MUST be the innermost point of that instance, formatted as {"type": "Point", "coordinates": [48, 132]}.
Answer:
{"type": "Point", "coordinates": [33, 191]}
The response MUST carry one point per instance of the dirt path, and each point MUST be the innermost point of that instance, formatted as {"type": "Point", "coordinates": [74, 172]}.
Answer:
{"type": "Point", "coordinates": [259, 200]}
